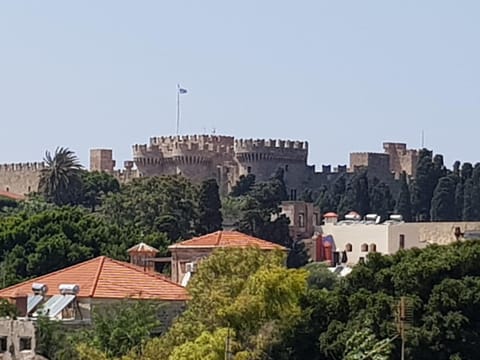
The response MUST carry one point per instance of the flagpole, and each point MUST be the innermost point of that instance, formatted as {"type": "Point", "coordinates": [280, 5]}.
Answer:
{"type": "Point", "coordinates": [178, 108]}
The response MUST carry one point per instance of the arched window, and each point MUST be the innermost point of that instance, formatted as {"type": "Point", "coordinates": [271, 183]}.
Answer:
{"type": "Point", "coordinates": [373, 248]}
{"type": "Point", "coordinates": [348, 248]}
{"type": "Point", "coordinates": [364, 248]}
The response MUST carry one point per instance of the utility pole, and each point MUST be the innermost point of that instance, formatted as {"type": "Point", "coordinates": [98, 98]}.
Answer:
{"type": "Point", "coordinates": [228, 354]}
{"type": "Point", "coordinates": [403, 320]}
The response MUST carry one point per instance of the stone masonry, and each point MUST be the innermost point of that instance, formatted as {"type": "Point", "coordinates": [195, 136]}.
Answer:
{"type": "Point", "coordinates": [224, 158]}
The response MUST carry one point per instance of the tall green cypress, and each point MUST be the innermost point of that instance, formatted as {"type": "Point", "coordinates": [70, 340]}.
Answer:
{"type": "Point", "coordinates": [424, 185]}
{"type": "Point", "coordinates": [443, 200]}
{"type": "Point", "coordinates": [209, 205]}
{"type": "Point", "coordinates": [404, 205]}
{"type": "Point", "coordinates": [381, 200]}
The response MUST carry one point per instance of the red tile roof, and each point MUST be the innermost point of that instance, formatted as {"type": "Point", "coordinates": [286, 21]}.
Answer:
{"type": "Point", "coordinates": [105, 278]}
{"type": "Point", "coordinates": [226, 239]}
{"type": "Point", "coordinates": [11, 195]}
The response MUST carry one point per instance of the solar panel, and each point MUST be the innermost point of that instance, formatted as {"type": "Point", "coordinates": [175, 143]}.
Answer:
{"type": "Point", "coordinates": [32, 302]}
{"type": "Point", "coordinates": [56, 304]}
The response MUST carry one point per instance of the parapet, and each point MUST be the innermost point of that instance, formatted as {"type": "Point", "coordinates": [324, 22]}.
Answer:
{"type": "Point", "coordinates": [174, 146]}
{"type": "Point", "coordinates": [246, 145]}
{"type": "Point", "coordinates": [29, 166]}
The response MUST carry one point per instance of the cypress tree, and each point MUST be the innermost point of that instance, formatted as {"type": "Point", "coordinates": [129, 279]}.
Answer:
{"type": "Point", "coordinates": [424, 185]}
{"type": "Point", "coordinates": [468, 213]}
{"type": "Point", "coordinates": [443, 200]}
{"type": "Point", "coordinates": [459, 199]}
{"type": "Point", "coordinates": [209, 205]}
{"type": "Point", "coordinates": [381, 201]}
{"type": "Point", "coordinates": [404, 205]}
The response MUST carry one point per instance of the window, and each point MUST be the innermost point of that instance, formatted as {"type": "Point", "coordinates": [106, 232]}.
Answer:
{"type": "Point", "coordinates": [401, 242]}
{"type": "Point", "coordinates": [317, 218]}
{"type": "Point", "coordinates": [373, 248]}
{"type": "Point", "coordinates": [3, 343]}
{"type": "Point", "coordinates": [348, 248]}
{"type": "Point", "coordinates": [286, 168]}
{"type": "Point", "coordinates": [301, 220]}
{"type": "Point", "coordinates": [364, 248]}
{"type": "Point", "coordinates": [7, 189]}
{"type": "Point", "coordinates": [249, 170]}
{"type": "Point", "coordinates": [25, 343]}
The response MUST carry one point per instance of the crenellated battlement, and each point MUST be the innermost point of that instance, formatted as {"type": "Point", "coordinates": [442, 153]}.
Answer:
{"type": "Point", "coordinates": [246, 145]}
{"type": "Point", "coordinates": [249, 150]}
{"type": "Point", "coordinates": [22, 167]}
{"type": "Point", "coordinates": [180, 147]}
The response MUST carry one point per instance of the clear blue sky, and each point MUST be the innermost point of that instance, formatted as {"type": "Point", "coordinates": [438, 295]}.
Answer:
{"type": "Point", "coordinates": [344, 75]}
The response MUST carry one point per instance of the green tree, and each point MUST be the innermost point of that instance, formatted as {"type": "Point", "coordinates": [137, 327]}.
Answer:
{"type": "Point", "coordinates": [209, 208]}
{"type": "Point", "coordinates": [34, 244]}
{"type": "Point", "coordinates": [381, 200]}
{"type": "Point", "coordinates": [404, 205]}
{"type": "Point", "coordinates": [364, 345]}
{"type": "Point", "coordinates": [424, 185]}
{"type": "Point", "coordinates": [122, 328]}
{"type": "Point", "coordinates": [243, 185]}
{"type": "Point", "coordinates": [356, 196]}
{"type": "Point", "coordinates": [60, 182]}
{"type": "Point", "coordinates": [246, 290]}
{"type": "Point", "coordinates": [443, 201]}
{"type": "Point", "coordinates": [161, 209]}
{"type": "Point", "coordinates": [319, 277]}
{"type": "Point", "coordinates": [95, 186]}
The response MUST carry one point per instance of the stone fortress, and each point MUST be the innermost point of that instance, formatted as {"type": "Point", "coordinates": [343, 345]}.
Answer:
{"type": "Point", "coordinates": [200, 157]}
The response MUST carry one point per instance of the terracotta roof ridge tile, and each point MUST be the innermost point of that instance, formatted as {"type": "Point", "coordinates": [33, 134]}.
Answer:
{"type": "Point", "coordinates": [97, 275]}
{"type": "Point", "coordinates": [39, 278]}
{"type": "Point", "coordinates": [140, 270]}
{"type": "Point", "coordinates": [219, 237]}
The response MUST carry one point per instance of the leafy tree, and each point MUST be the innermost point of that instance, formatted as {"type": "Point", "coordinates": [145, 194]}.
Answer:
{"type": "Point", "coordinates": [261, 214]}
{"type": "Point", "coordinates": [298, 255]}
{"type": "Point", "coordinates": [7, 309]}
{"type": "Point", "coordinates": [243, 186]}
{"type": "Point", "coordinates": [60, 181]}
{"type": "Point", "coordinates": [443, 201]}
{"type": "Point", "coordinates": [6, 204]}
{"type": "Point", "coordinates": [95, 186]}
{"type": "Point", "coordinates": [161, 209]}
{"type": "Point", "coordinates": [466, 171]}
{"type": "Point", "coordinates": [122, 328]}
{"type": "Point", "coordinates": [246, 290]}
{"type": "Point", "coordinates": [403, 205]}
{"type": "Point", "coordinates": [34, 244]}
{"type": "Point", "coordinates": [469, 211]}
{"type": "Point", "coordinates": [363, 345]}
{"type": "Point", "coordinates": [209, 205]}
{"type": "Point", "coordinates": [319, 277]}
{"type": "Point", "coordinates": [459, 199]}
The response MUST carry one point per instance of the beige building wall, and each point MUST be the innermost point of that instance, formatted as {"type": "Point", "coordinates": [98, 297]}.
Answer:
{"type": "Point", "coordinates": [366, 238]}
{"type": "Point", "coordinates": [17, 334]}
{"type": "Point", "coordinates": [444, 232]}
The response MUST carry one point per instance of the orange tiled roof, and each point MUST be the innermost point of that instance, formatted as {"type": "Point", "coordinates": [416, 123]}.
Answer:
{"type": "Point", "coordinates": [226, 239]}
{"type": "Point", "coordinates": [105, 278]}
{"type": "Point", "coordinates": [11, 195]}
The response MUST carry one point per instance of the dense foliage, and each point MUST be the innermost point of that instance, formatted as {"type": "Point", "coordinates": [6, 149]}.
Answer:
{"type": "Point", "coordinates": [435, 193]}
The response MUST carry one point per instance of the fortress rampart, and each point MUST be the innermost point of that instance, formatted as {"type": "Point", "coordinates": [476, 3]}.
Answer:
{"type": "Point", "coordinates": [20, 178]}
{"type": "Point", "coordinates": [200, 157]}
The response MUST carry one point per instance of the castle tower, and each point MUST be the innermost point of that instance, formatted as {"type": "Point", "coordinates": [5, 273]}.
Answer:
{"type": "Point", "coordinates": [264, 157]}
{"type": "Point", "coordinates": [197, 157]}
{"type": "Point", "coordinates": [102, 160]}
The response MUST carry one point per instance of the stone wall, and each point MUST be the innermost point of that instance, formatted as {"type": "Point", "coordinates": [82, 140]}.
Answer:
{"type": "Point", "coordinates": [20, 178]}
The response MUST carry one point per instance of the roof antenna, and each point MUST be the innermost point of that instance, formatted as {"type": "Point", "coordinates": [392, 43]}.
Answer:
{"type": "Point", "coordinates": [423, 139]}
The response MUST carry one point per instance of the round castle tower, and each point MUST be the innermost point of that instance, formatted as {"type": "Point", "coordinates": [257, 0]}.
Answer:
{"type": "Point", "coordinates": [264, 157]}
{"type": "Point", "coordinates": [197, 157]}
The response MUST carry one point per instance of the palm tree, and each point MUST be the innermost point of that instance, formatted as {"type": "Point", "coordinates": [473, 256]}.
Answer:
{"type": "Point", "coordinates": [60, 181]}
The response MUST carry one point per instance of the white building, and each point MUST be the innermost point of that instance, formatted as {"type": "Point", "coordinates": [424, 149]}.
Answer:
{"type": "Point", "coordinates": [351, 240]}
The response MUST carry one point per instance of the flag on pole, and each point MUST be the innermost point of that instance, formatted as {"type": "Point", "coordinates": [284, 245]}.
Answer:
{"type": "Point", "coordinates": [182, 91]}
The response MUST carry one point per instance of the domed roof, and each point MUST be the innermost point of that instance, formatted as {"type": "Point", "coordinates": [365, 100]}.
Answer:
{"type": "Point", "coordinates": [143, 248]}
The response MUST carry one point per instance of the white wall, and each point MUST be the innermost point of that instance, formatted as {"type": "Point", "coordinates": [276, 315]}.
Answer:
{"type": "Point", "coordinates": [386, 237]}
{"type": "Point", "coordinates": [358, 234]}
